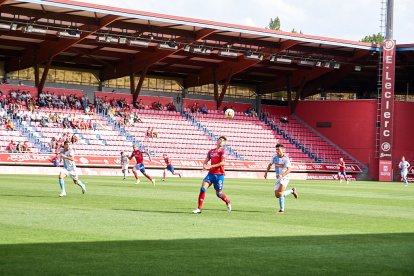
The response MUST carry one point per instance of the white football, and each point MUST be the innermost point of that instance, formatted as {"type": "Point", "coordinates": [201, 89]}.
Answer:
{"type": "Point", "coordinates": [229, 114]}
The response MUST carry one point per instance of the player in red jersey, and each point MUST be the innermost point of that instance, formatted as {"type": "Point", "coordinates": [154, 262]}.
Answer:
{"type": "Point", "coordinates": [341, 172]}
{"type": "Point", "coordinates": [215, 175]}
{"type": "Point", "coordinates": [169, 167]}
{"type": "Point", "coordinates": [139, 158]}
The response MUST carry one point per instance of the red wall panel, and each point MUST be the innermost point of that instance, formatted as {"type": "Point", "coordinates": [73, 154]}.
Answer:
{"type": "Point", "coordinates": [353, 127]}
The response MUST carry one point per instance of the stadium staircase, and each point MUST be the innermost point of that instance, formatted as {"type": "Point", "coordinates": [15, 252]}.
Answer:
{"type": "Point", "coordinates": [309, 141]}
{"type": "Point", "coordinates": [128, 136]}
{"type": "Point", "coordinates": [21, 133]}
{"type": "Point", "coordinates": [290, 139]}
{"type": "Point", "coordinates": [177, 136]}
{"type": "Point", "coordinates": [208, 132]}
{"type": "Point", "coordinates": [250, 138]}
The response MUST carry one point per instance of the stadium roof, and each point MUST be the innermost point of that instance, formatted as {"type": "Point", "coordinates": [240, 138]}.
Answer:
{"type": "Point", "coordinates": [119, 42]}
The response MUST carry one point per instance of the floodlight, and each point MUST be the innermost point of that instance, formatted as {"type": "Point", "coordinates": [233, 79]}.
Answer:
{"type": "Point", "coordinates": [202, 50]}
{"type": "Point", "coordinates": [277, 59]}
{"type": "Point", "coordinates": [11, 27]}
{"type": "Point", "coordinates": [358, 68]}
{"type": "Point", "coordinates": [139, 43]}
{"type": "Point", "coordinates": [31, 29]}
{"type": "Point", "coordinates": [228, 53]}
{"type": "Point", "coordinates": [69, 34]}
{"type": "Point", "coordinates": [169, 46]}
{"type": "Point", "coordinates": [306, 63]}
{"type": "Point", "coordinates": [252, 55]}
{"type": "Point", "coordinates": [122, 40]}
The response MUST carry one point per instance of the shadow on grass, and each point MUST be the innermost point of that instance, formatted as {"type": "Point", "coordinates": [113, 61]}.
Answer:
{"type": "Point", "coordinates": [380, 254]}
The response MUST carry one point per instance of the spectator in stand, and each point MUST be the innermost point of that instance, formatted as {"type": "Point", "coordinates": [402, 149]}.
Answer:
{"type": "Point", "coordinates": [2, 113]}
{"type": "Point", "coordinates": [53, 143]}
{"type": "Point", "coordinates": [148, 133]}
{"type": "Point", "coordinates": [9, 125]}
{"type": "Point", "coordinates": [25, 147]}
{"type": "Point", "coordinates": [171, 107]}
{"type": "Point", "coordinates": [137, 119]}
{"type": "Point", "coordinates": [11, 147]}
{"type": "Point", "coordinates": [195, 108]}
{"type": "Point", "coordinates": [204, 109]}
{"type": "Point", "coordinates": [251, 112]}
{"type": "Point", "coordinates": [154, 133]}
{"type": "Point", "coordinates": [156, 106]}
{"type": "Point", "coordinates": [284, 120]}
{"type": "Point", "coordinates": [43, 122]}
{"type": "Point", "coordinates": [19, 147]}
{"type": "Point", "coordinates": [225, 108]}
{"type": "Point", "coordinates": [140, 104]}
{"type": "Point", "coordinates": [74, 139]}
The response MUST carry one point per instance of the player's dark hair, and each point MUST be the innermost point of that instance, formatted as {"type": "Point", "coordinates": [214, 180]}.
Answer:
{"type": "Point", "coordinates": [66, 143]}
{"type": "Point", "coordinates": [223, 137]}
{"type": "Point", "coordinates": [280, 146]}
{"type": "Point", "coordinates": [122, 152]}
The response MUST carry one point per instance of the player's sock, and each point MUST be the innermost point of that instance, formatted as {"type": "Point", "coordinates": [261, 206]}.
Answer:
{"type": "Point", "coordinates": [80, 184]}
{"type": "Point", "coordinates": [288, 192]}
{"type": "Point", "coordinates": [163, 175]}
{"type": "Point", "coordinates": [224, 198]}
{"type": "Point", "coordinates": [282, 202]}
{"type": "Point", "coordinates": [149, 177]}
{"type": "Point", "coordinates": [135, 174]}
{"type": "Point", "coordinates": [201, 197]}
{"type": "Point", "coordinates": [62, 185]}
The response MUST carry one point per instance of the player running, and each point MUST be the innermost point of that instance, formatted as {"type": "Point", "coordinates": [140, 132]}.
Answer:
{"type": "Point", "coordinates": [169, 167]}
{"type": "Point", "coordinates": [341, 171]}
{"type": "Point", "coordinates": [404, 165]}
{"type": "Point", "coordinates": [139, 158]}
{"type": "Point", "coordinates": [69, 169]}
{"type": "Point", "coordinates": [282, 169]}
{"type": "Point", "coordinates": [215, 175]}
{"type": "Point", "coordinates": [124, 164]}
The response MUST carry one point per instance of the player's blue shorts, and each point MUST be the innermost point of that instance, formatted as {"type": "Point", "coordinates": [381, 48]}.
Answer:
{"type": "Point", "coordinates": [342, 173]}
{"type": "Point", "coordinates": [216, 179]}
{"type": "Point", "coordinates": [140, 167]}
{"type": "Point", "coordinates": [170, 168]}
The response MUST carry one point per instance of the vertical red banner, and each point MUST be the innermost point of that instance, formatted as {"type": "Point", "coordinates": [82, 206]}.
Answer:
{"type": "Point", "coordinates": [387, 109]}
{"type": "Point", "coordinates": [385, 170]}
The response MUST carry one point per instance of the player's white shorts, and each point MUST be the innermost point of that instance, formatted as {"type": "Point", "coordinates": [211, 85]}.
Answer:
{"type": "Point", "coordinates": [71, 174]}
{"type": "Point", "coordinates": [125, 166]}
{"type": "Point", "coordinates": [404, 174]}
{"type": "Point", "coordinates": [281, 181]}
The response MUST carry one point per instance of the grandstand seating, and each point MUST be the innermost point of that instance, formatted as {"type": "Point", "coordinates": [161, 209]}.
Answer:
{"type": "Point", "coordinates": [317, 146]}
{"type": "Point", "coordinates": [103, 140]}
{"type": "Point", "coordinates": [179, 136]}
{"type": "Point", "coordinates": [17, 136]}
{"type": "Point", "coordinates": [248, 136]}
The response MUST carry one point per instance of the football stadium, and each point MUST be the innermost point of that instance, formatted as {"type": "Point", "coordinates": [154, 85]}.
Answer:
{"type": "Point", "coordinates": [119, 128]}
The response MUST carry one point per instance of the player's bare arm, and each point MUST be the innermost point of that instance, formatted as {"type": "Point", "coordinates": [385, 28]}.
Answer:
{"type": "Point", "coordinates": [268, 169]}
{"type": "Point", "coordinates": [205, 164]}
{"type": "Point", "coordinates": [69, 157]}
{"type": "Point", "coordinates": [284, 174]}
{"type": "Point", "coordinates": [222, 163]}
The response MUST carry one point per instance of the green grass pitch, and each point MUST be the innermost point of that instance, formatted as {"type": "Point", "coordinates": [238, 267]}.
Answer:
{"type": "Point", "coordinates": [117, 227]}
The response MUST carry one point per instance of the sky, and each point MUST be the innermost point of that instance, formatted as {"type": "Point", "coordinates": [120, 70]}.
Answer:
{"type": "Point", "coordinates": [350, 19]}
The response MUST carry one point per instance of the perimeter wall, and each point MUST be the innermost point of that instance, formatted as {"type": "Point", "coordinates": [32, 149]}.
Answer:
{"type": "Point", "coordinates": [353, 128]}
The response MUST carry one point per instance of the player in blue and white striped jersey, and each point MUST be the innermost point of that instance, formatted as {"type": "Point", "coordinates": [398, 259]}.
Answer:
{"type": "Point", "coordinates": [282, 169]}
